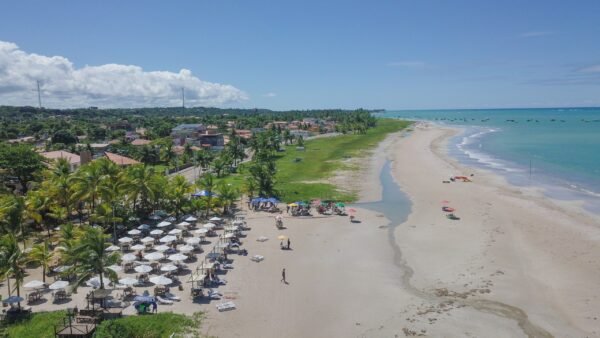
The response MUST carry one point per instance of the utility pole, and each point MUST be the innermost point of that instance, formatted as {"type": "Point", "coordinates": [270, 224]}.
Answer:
{"type": "Point", "coordinates": [39, 94]}
{"type": "Point", "coordinates": [182, 100]}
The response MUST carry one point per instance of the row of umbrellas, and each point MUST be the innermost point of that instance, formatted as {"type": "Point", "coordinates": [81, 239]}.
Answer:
{"type": "Point", "coordinates": [155, 256]}
{"type": "Point", "coordinates": [36, 284]}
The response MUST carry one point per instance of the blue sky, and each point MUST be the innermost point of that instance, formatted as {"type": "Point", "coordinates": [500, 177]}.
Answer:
{"type": "Point", "coordinates": [311, 54]}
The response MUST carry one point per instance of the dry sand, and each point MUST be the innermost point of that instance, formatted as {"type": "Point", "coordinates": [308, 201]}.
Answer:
{"type": "Point", "coordinates": [515, 265]}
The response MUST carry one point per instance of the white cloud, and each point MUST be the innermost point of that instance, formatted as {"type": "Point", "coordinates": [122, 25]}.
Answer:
{"type": "Point", "coordinates": [407, 64]}
{"type": "Point", "coordinates": [535, 34]}
{"type": "Point", "coordinates": [270, 94]}
{"type": "Point", "coordinates": [590, 69]}
{"type": "Point", "coordinates": [109, 85]}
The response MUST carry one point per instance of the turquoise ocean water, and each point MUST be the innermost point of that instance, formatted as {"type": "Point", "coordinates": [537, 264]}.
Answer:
{"type": "Point", "coordinates": [557, 149]}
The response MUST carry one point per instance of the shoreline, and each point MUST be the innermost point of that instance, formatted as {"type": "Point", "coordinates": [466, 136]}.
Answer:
{"type": "Point", "coordinates": [478, 256]}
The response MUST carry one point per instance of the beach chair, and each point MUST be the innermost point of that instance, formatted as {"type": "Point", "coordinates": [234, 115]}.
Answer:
{"type": "Point", "coordinates": [171, 296]}
{"type": "Point", "coordinates": [164, 301]}
{"type": "Point", "coordinates": [257, 258]}
{"type": "Point", "coordinates": [225, 306]}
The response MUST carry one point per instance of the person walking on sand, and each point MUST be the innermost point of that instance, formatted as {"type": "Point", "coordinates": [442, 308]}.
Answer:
{"type": "Point", "coordinates": [283, 276]}
{"type": "Point", "coordinates": [288, 244]}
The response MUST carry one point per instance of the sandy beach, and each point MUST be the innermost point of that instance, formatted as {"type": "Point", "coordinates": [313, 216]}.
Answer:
{"type": "Point", "coordinates": [515, 264]}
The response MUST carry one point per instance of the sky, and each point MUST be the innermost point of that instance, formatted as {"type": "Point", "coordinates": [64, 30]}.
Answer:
{"type": "Point", "coordinates": [301, 54]}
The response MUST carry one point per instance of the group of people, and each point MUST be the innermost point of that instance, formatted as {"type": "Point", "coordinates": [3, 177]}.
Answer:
{"type": "Point", "coordinates": [285, 247]}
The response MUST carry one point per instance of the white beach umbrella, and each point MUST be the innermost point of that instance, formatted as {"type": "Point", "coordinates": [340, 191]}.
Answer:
{"type": "Point", "coordinates": [168, 268]}
{"type": "Point", "coordinates": [168, 239]}
{"type": "Point", "coordinates": [186, 248]}
{"type": "Point", "coordinates": [147, 240]}
{"type": "Point", "coordinates": [62, 268]}
{"type": "Point", "coordinates": [193, 240]}
{"type": "Point", "coordinates": [156, 232]}
{"type": "Point", "coordinates": [154, 256]}
{"type": "Point", "coordinates": [112, 248]}
{"type": "Point", "coordinates": [222, 245]}
{"type": "Point", "coordinates": [161, 280]}
{"type": "Point", "coordinates": [229, 235]}
{"type": "Point", "coordinates": [59, 284]}
{"type": "Point", "coordinates": [115, 268]}
{"type": "Point", "coordinates": [177, 257]}
{"type": "Point", "coordinates": [144, 227]}
{"type": "Point", "coordinates": [209, 226]}
{"type": "Point", "coordinates": [191, 219]}
{"type": "Point", "coordinates": [163, 224]}
{"type": "Point", "coordinates": [128, 257]}
{"type": "Point", "coordinates": [143, 268]}
{"type": "Point", "coordinates": [125, 240]}
{"type": "Point", "coordinates": [238, 222]}
{"type": "Point", "coordinates": [154, 217]}
{"type": "Point", "coordinates": [215, 219]}
{"type": "Point", "coordinates": [161, 248]}
{"type": "Point", "coordinates": [34, 284]}
{"type": "Point", "coordinates": [183, 224]}
{"type": "Point", "coordinates": [134, 232]}
{"type": "Point", "coordinates": [232, 228]}
{"type": "Point", "coordinates": [201, 231]}
{"type": "Point", "coordinates": [93, 282]}
{"type": "Point", "coordinates": [128, 281]}
{"type": "Point", "coordinates": [170, 219]}
{"type": "Point", "coordinates": [138, 247]}
{"type": "Point", "coordinates": [175, 232]}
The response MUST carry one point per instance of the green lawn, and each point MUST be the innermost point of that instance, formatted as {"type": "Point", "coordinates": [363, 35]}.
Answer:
{"type": "Point", "coordinates": [296, 170]}
{"type": "Point", "coordinates": [41, 325]}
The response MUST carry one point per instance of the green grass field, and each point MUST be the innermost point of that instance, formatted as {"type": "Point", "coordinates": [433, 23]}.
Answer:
{"type": "Point", "coordinates": [297, 170]}
{"type": "Point", "coordinates": [41, 325]}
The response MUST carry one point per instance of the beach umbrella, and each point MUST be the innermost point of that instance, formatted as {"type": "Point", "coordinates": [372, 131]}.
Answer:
{"type": "Point", "coordinates": [154, 217]}
{"type": "Point", "coordinates": [143, 269]}
{"type": "Point", "coordinates": [34, 284]}
{"type": "Point", "coordinates": [272, 200]}
{"type": "Point", "coordinates": [115, 268]}
{"type": "Point", "coordinates": [222, 245]}
{"type": "Point", "coordinates": [186, 248]}
{"type": "Point", "coordinates": [215, 219]}
{"type": "Point", "coordinates": [154, 256]}
{"type": "Point", "coordinates": [170, 219]}
{"type": "Point", "coordinates": [112, 248]}
{"type": "Point", "coordinates": [163, 224]}
{"type": "Point", "coordinates": [156, 232]}
{"type": "Point", "coordinates": [128, 257]}
{"type": "Point", "coordinates": [282, 237]}
{"type": "Point", "coordinates": [138, 247]}
{"type": "Point", "coordinates": [292, 205]}
{"type": "Point", "coordinates": [229, 235]}
{"type": "Point", "coordinates": [208, 226]}
{"type": "Point", "coordinates": [144, 227]}
{"type": "Point", "coordinates": [147, 240]}
{"type": "Point", "coordinates": [128, 281]}
{"type": "Point", "coordinates": [168, 239]}
{"type": "Point", "coordinates": [12, 300]}
{"type": "Point", "coordinates": [201, 231]}
{"type": "Point", "coordinates": [238, 223]}
{"type": "Point", "coordinates": [161, 280]}
{"type": "Point", "coordinates": [59, 284]}
{"type": "Point", "coordinates": [134, 232]}
{"type": "Point", "coordinates": [340, 204]}
{"type": "Point", "coordinates": [93, 282]}
{"type": "Point", "coordinates": [168, 268]}
{"type": "Point", "coordinates": [62, 268]}
{"type": "Point", "coordinates": [144, 299]}
{"type": "Point", "coordinates": [175, 232]}
{"type": "Point", "coordinates": [177, 257]}
{"type": "Point", "coordinates": [125, 240]}
{"type": "Point", "coordinates": [183, 224]}
{"type": "Point", "coordinates": [193, 240]}
{"type": "Point", "coordinates": [191, 219]}
{"type": "Point", "coordinates": [161, 248]}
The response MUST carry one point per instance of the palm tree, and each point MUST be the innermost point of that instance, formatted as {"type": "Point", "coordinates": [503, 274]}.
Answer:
{"type": "Point", "coordinates": [13, 261]}
{"type": "Point", "coordinates": [92, 257]}
{"type": "Point", "coordinates": [178, 192]}
{"type": "Point", "coordinates": [143, 184]}
{"type": "Point", "coordinates": [12, 209]}
{"type": "Point", "coordinates": [37, 207]}
{"type": "Point", "coordinates": [87, 182]}
{"type": "Point", "coordinates": [250, 187]}
{"type": "Point", "coordinates": [227, 195]}
{"type": "Point", "coordinates": [42, 255]}
{"type": "Point", "coordinates": [207, 183]}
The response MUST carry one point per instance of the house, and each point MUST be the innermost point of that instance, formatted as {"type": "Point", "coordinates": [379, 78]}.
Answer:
{"type": "Point", "coordinates": [184, 131]}
{"type": "Point", "coordinates": [197, 135]}
{"type": "Point", "coordinates": [140, 142]}
{"type": "Point", "coordinates": [73, 159]}
{"type": "Point", "coordinates": [298, 132]}
{"type": "Point", "coordinates": [96, 147]}
{"type": "Point", "coordinates": [244, 133]}
{"type": "Point", "coordinates": [120, 160]}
